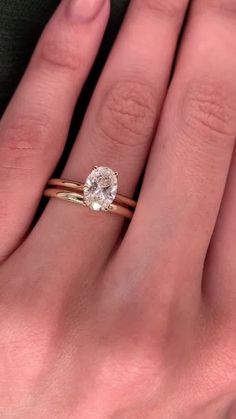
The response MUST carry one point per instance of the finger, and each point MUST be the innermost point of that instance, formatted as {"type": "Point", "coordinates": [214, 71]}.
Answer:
{"type": "Point", "coordinates": [189, 163]}
{"type": "Point", "coordinates": [120, 122]}
{"type": "Point", "coordinates": [219, 281]}
{"type": "Point", "coordinates": [35, 125]}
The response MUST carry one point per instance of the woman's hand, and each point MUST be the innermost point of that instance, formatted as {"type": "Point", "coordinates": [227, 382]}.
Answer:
{"type": "Point", "coordinates": [95, 324]}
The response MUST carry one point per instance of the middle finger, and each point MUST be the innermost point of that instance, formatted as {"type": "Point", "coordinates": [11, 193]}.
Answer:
{"type": "Point", "coordinates": [189, 164]}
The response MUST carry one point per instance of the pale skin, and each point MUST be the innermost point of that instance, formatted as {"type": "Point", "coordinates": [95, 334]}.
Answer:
{"type": "Point", "coordinates": [98, 323]}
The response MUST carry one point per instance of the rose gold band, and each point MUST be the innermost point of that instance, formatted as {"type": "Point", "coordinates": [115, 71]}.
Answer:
{"type": "Point", "coordinates": [79, 187]}
{"type": "Point", "coordinates": [72, 191]}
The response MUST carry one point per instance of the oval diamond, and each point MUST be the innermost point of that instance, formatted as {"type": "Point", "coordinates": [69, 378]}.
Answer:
{"type": "Point", "coordinates": [100, 188]}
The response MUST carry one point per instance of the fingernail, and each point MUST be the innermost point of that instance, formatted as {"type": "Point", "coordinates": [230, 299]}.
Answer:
{"type": "Point", "coordinates": [85, 9]}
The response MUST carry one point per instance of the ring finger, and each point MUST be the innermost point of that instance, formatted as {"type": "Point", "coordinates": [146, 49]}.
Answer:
{"type": "Point", "coordinates": [119, 125]}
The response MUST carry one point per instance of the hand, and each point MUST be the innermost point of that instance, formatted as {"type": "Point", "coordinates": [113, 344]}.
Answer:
{"type": "Point", "coordinates": [97, 324]}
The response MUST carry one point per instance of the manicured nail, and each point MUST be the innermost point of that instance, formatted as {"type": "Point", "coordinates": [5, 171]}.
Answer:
{"type": "Point", "coordinates": [85, 9]}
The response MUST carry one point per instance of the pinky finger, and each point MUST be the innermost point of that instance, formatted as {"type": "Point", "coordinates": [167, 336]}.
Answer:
{"type": "Point", "coordinates": [35, 126]}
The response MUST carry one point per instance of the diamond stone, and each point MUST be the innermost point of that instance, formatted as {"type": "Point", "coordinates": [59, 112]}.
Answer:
{"type": "Point", "coordinates": [100, 188]}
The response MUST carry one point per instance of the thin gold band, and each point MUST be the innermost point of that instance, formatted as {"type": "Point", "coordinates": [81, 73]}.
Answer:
{"type": "Point", "coordinates": [79, 187]}
{"type": "Point", "coordinates": [72, 191]}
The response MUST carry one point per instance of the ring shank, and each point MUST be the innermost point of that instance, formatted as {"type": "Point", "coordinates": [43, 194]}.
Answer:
{"type": "Point", "coordinates": [75, 195]}
{"type": "Point", "coordinates": [79, 187]}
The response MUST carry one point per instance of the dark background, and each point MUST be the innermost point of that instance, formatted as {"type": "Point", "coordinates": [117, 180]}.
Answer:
{"type": "Point", "coordinates": [21, 22]}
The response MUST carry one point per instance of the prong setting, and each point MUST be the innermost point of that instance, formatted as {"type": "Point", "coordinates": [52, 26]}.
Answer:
{"type": "Point", "coordinates": [101, 188]}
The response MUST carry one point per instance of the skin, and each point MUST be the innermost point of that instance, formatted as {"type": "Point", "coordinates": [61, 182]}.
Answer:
{"type": "Point", "coordinates": [95, 322]}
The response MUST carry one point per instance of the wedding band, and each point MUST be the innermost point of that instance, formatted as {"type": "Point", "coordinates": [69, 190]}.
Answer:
{"type": "Point", "coordinates": [98, 193]}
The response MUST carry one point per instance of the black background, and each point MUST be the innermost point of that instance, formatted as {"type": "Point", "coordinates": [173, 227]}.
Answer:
{"type": "Point", "coordinates": [21, 22]}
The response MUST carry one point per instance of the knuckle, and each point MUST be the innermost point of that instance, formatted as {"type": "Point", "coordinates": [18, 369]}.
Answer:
{"type": "Point", "coordinates": [227, 7]}
{"type": "Point", "coordinates": [208, 111]}
{"type": "Point", "coordinates": [127, 116]}
{"type": "Point", "coordinates": [23, 143]}
{"type": "Point", "coordinates": [167, 8]}
{"type": "Point", "coordinates": [140, 362]}
{"type": "Point", "coordinates": [225, 351]}
{"type": "Point", "coordinates": [57, 49]}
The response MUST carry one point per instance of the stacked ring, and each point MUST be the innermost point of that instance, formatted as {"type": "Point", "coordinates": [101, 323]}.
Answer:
{"type": "Point", "coordinates": [99, 192]}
